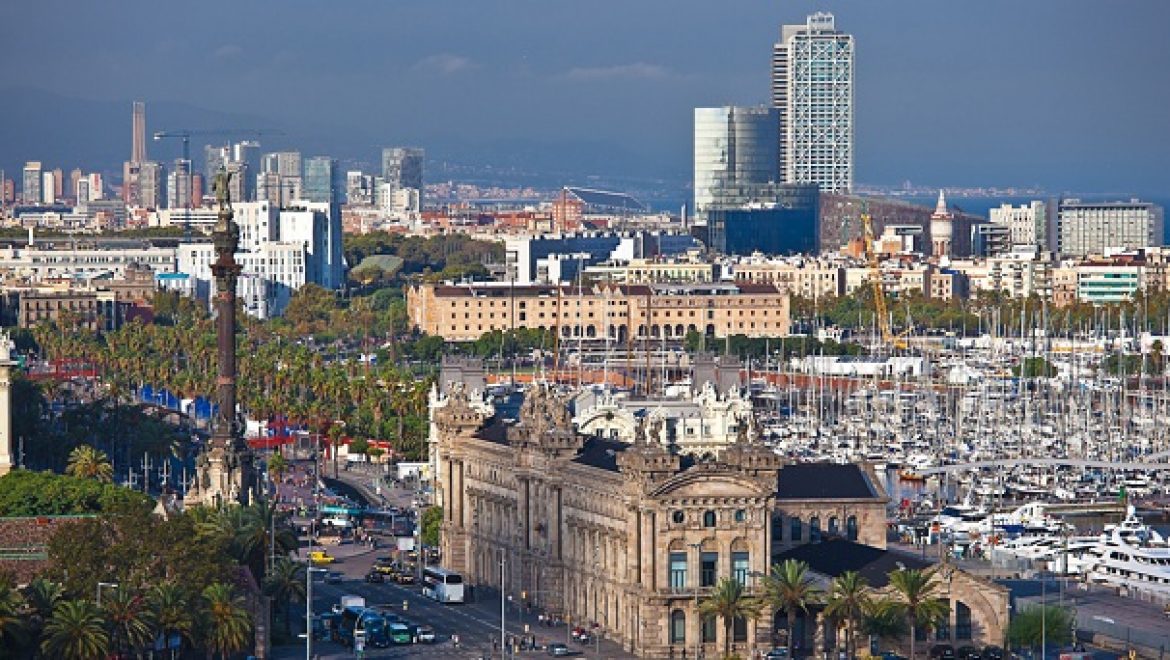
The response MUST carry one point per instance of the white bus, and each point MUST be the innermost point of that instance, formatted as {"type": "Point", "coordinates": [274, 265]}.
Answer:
{"type": "Point", "coordinates": [443, 585]}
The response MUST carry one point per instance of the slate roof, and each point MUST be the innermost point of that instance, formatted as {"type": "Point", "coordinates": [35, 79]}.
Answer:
{"type": "Point", "coordinates": [823, 481]}
{"type": "Point", "coordinates": [600, 453]}
{"type": "Point", "coordinates": [834, 556]}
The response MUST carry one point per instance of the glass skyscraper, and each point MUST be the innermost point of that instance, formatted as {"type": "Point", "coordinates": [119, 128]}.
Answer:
{"type": "Point", "coordinates": [812, 89]}
{"type": "Point", "coordinates": [734, 147]}
{"type": "Point", "coordinates": [402, 167]}
{"type": "Point", "coordinates": [322, 180]}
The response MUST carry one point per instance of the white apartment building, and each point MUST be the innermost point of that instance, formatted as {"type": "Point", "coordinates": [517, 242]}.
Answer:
{"type": "Point", "coordinates": [1027, 223]}
{"type": "Point", "coordinates": [280, 251]}
{"type": "Point", "coordinates": [1084, 228]}
{"type": "Point", "coordinates": [36, 263]}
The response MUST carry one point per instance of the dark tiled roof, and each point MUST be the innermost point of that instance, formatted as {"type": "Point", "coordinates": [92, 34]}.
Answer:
{"type": "Point", "coordinates": [600, 453]}
{"type": "Point", "coordinates": [494, 431]}
{"type": "Point", "coordinates": [835, 556]}
{"type": "Point", "coordinates": [822, 481]}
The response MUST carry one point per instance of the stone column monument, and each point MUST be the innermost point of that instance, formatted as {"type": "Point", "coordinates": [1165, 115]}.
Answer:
{"type": "Point", "coordinates": [224, 471]}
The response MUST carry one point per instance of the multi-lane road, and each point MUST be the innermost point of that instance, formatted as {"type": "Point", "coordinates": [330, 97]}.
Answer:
{"type": "Point", "coordinates": [477, 623]}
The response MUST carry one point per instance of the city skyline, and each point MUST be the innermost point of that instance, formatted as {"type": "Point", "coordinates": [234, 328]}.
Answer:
{"type": "Point", "coordinates": [1007, 100]}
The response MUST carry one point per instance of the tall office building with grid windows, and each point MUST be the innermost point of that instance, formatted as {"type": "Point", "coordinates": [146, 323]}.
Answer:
{"type": "Point", "coordinates": [812, 90]}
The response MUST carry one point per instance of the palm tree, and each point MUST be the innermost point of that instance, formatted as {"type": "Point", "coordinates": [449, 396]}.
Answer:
{"type": "Point", "coordinates": [229, 625]}
{"type": "Point", "coordinates": [916, 597]}
{"type": "Point", "coordinates": [285, 584]}
{"type": "Point", "coordinates": [12, 625]}
{"type": "Point", "coordinates": [790, 588]}
{"type": "Point", "coordinates": [169, 611]}
{"type": "Point", "coordinates": [90, 463]}
{"type": "Point", "coordinates": [729, 602]}
{"type": "Point", "coordinates": [848, 601]}
{"type": "Point", "coordinates": [41, 597]}
{"type": "Point", "coordinates": [129, 619]}
{"type": "Point", "coordinates": [75, 632]}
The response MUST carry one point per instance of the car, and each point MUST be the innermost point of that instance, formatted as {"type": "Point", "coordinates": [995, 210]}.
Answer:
{"type": "Point", "coordinates": [321, 557]}
{"type": "Point", "coordinates": [424, 634]}
{"type": "Point", "coordinates": [992, 652]}
{"type": "Point", "coordinates": [778, 653]}
{"type": "Point", "coordinates": [557, 650]}
{"type": "Point", "coordinates": [404, 578]}
{"type": "Point", "coordinates": [334, 577]}
{"type": "Point", "coordinates": [942, 652]}
{"type": "Point", "coordinates": [968, 653]}
{"type": "Point", "coordinates": [374, 577]}
{"type": "Point", "coordinates": [890, 655]}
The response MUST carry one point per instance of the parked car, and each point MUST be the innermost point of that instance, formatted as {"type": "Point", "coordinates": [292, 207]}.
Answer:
{"type": "Point", "coordinates": [404, 578]}
{"type": "Point", "coordinates": [942, 652]}
{"type": "Point", "coordinates": [557, 650]}
{"type": "Point", "coordinates": [334, 577]}
{"type": "Point", "coordinates": [992, 652]}
{"type": "Point", "coordinates": [374, 577]}
{"type": "Point", "coordinates": [424, 634]}
{"type": "Point", "coordinates": [890, 655]}
{"type": "Point", "coordinates": [778, 653]}
{"type": "Point", "coordinates": [321, 557]}
{"type": "Point", "coordinates": [969, 653]}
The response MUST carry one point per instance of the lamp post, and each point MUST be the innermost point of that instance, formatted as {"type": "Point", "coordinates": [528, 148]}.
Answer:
{"type": "Point", "coordinates": [309, 567]}
{"type": "Point", "coordinates": [109, 585]}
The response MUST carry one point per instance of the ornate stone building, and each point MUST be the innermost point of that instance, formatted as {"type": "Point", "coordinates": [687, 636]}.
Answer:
{"type": "Point", "coordinates": [630, 537]}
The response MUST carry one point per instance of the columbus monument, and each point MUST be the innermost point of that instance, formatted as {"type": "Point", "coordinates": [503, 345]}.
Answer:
{"type": "Point", "coordinates": [224, 470]}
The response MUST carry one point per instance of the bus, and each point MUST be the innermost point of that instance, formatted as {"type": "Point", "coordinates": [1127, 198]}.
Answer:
{"type": "Point", "coordinates": [443, 585]}
{"type": "Point", "coordinates": [362, 622]}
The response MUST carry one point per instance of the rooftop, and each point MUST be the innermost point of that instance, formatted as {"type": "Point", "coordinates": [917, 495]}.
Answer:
{"type": "Point", "coordinates": [825, 481]}
{"type": "Point", "coordinates": [834, 556]}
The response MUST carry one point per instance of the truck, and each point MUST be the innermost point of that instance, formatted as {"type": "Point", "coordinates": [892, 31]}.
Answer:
{"type": "Point", "coordinates": [349, 600]}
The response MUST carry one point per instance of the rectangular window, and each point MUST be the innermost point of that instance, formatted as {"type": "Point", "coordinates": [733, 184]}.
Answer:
{"type": "Point", "coordinates": [709, 630]}
{"type": "Point", "coordinates": [707, 568]}
{"type": "Point", "coordinates": [678, 571]}
{"type": "Point", "coordinates": [739, 631]}
{"type": "Point", "coordinates": [739, 567]}
{"type": "Point", "coordinates": [796, 530]}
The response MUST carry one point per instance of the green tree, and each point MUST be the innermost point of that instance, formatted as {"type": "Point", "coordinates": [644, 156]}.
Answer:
{"type": "Point", "coordinates": [90, 463]}
{"type": "Point", "coordinates": [42, 597]}
{"type": "Point", "coordinates": [25, 493]}
{"type": "Point", "coordinates": [12, 622]}
{"type": "Point", "coordinates": [431, 523]}
{"type": "Point", "coordinates": [883, 621]}
{"type": "Point", "coordinates": [916, 596]}
{"type": "Point", "coordinates": [1041, 624]}
{"type": "Point", "coordinates": [228, 623]}
{"type": "Point", "coordinates": [169, 609]}
{"type": "Point", "coordinates": [286, 584]}
{"type": "Point", "coordinates": [789, 588]}
{"type": "Point", "coordinates": [76, 631]}
{"type": "Point", "coordinates": [848, 600]}
{"type": "Point", "coordinates": [129, 620]}
{"type": "Point", "coordinates": [277, 466]}
{"type": "Point", "coordinates": [729, 602]}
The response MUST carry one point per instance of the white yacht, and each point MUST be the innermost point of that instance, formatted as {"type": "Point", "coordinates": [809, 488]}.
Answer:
{"type": "Point", "coordinates": [1129, 556]}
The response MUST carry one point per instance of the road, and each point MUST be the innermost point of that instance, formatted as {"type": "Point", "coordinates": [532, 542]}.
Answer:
{"type": "Point", "coordinates": [476, 623]}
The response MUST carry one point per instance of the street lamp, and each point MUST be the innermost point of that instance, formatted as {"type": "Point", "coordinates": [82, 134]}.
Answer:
{"type": "Point", "coordinates": [109, 585]}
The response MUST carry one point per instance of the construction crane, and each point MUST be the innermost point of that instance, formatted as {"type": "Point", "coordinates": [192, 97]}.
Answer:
{"type": "Point", "coordinates": [186, 134]}
{"type": "Point", "coordinates": [881, 311]}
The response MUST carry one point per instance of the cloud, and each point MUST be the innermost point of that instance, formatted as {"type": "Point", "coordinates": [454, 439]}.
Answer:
{"type": "Point", "coordinates": [445, 64]}
{"type": "Point", "coordinates": [227, 52]}
{"type": "Point", "coordinates": [634, 71]}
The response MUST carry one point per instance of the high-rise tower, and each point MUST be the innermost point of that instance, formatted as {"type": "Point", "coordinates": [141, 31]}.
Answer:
{"type": "Point", "coordinates": [138, 137]}
{"type": "Point", "coordinates": [225, 473]}
{"type": "Point", "coordinates": [942, 223]}
{"type": "Point", "coordinates": [812, 89]}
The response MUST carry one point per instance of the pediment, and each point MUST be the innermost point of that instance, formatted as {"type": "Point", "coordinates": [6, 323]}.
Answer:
{"type": "Point", "coordinates": [708, 485]}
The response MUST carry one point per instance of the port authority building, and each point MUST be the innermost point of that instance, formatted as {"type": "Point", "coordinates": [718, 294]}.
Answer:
{"type": "Point", "coordinates": [627, 538]}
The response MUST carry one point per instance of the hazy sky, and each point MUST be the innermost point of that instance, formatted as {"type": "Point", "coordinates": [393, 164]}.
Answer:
{"type": "Point", "coordinates": [1070, 94]}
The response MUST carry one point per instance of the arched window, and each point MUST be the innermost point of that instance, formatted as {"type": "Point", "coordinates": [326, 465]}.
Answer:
{"type": "Point", "coordinates": [814, 529]}
{"type": "Point", "coordinates": [795, 532]}
{"type": "Point", "coordinates": [834, 526]}
{"type": "Point", "coordinates": [942, 631]}
{"type": "Point", "coordinates": [739, 630]}
{"type": "Point", "coordinates": [678, 627]}
{"type": "Point", "coordinates": [708, 519]}
{"type": "Point", "coordinates": [962, 620]}
{"type": "Point", "coordinates": [851, 528]}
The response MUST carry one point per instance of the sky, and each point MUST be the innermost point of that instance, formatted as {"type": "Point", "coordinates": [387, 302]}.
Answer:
{"type": "Point", "coordinates": [1065, 94]}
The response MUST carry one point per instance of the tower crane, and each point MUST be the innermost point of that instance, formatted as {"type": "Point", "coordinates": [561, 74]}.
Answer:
{"type": "Point", "coordinates": [186, 134]}
{"type": "Point", "coordinates": [881, 311]}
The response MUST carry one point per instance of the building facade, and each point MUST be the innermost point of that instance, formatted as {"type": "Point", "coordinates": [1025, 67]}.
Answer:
{"type": "Point", "coordinates": [628, 539]}
{"type": "Point", "coordinates": [734, 147]}
{"type": "Point", "coordinates": [322, 181]}
{"type": "Point", "coordinates": [1027, 223]}
{"type": "Point", "coordinates": [812, 89]}
{"type": "Point", "coordinates": [648, 311]}
{"type": "Point", "coordinates": [1085, 228]}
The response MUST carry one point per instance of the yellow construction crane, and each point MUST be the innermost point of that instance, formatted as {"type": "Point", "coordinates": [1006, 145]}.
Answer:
{"type": "Point", "coordinates": [881, 312]}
